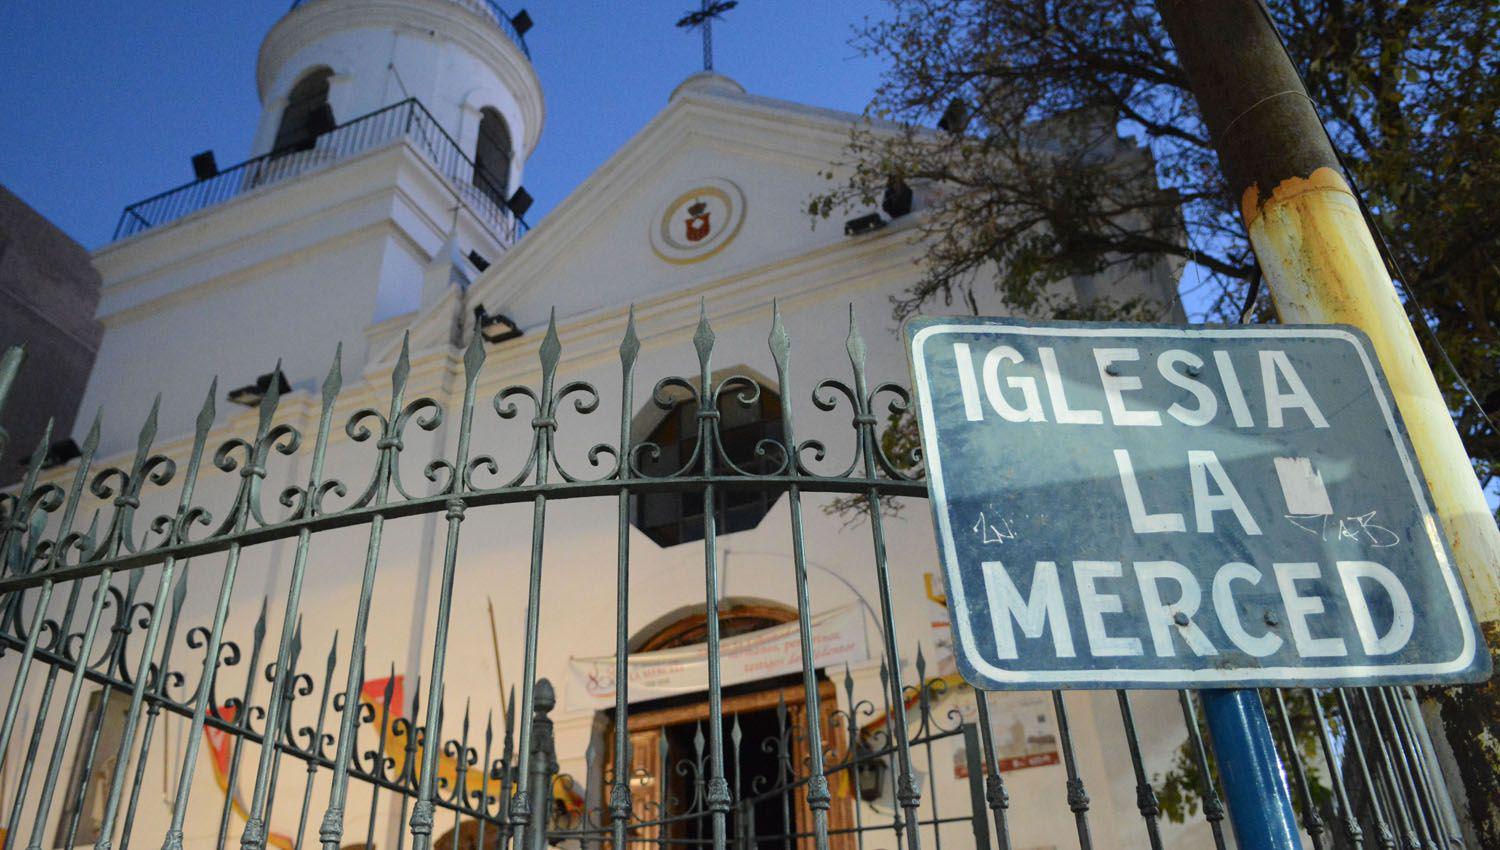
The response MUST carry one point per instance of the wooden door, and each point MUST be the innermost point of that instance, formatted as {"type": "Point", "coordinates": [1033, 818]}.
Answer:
{"type": "Point", "coordinates": [647, 784]}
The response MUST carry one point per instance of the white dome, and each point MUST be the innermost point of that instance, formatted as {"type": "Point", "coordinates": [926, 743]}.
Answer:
{"type": "Point", "coordinates": [709, 82]}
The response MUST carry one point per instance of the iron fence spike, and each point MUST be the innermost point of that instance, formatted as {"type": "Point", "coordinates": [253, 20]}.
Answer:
{"type": "Point", "coordinates": [855, 344]}
{"type": "Point", "coordinates": [295, 651]}
{"type": "Point", "coordinates": [259, 632]}
{"type": "Point", "coordinates": [148, 433]}
{"type": "Point", "coordinates": [206, 413]}
{"type": "Point", "coordinates": [38, 457]}
{"type": "Point", "coordinates": [550, 351]}
{"type": "Point", "coordinates": [703, 340]}
{"type": "Point", "coordinates": [402, 371]}
{"type": "Point", "coordinates": [474, 355]}
{"type": "Point", "coordinates": [179, 591]}
{"type": "Point", "coordinates": [630, 344]}
{"type": "Point", "coordinates": [91, 442]}
{"type": "Point", "coordinates": [89, 536]}
{"type": "Point", "coordinates": [781, 343]}
{"type": "Point", "coordinates": [131, 585]}
{"type": "Point", "coordinates": [333, 655]}
{"type": "Point", "coordinates": [268, 404]}
{"type": "Point", "coordinates": [333, 382]}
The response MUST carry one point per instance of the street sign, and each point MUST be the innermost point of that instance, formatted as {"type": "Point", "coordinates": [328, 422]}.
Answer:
{"type": "Point", "coordinates": [1164, 507]}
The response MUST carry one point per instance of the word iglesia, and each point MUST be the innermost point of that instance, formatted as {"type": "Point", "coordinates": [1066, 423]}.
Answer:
{"type": "Point", "coordinates": [1240, 504]}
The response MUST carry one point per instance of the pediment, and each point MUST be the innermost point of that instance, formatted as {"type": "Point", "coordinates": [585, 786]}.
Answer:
{"type": "Point", "coordinates": [716, 185]}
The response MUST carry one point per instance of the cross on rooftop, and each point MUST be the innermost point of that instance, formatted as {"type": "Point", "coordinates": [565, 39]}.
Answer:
{"type": "Point", "coordinates": [703, 18]}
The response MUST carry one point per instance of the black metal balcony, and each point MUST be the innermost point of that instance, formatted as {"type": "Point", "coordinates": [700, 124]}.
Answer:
{"type": "Point", "coordinates": [408, 120]}
{"type": "Point", "coordinates": [487, 8]}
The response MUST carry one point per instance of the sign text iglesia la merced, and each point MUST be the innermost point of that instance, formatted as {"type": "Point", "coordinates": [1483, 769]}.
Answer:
{"type": "Point", "coordinates": [1143, 506]}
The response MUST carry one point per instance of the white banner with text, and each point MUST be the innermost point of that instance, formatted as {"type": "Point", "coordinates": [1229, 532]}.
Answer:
{"type": "Point", "coordinates": [838, 638]}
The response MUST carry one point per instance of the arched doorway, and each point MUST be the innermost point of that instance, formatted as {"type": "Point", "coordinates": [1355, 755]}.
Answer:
{"type": "Point", "coordinates": [766, 746]}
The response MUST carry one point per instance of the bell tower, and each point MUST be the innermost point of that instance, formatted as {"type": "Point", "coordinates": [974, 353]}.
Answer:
{"type": "Point", "coordinates": [327, 62]}
{"type": "Point", "coordinates": [383, 177]}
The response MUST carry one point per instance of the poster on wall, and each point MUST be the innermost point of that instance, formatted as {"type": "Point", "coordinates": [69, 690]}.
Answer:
{"type": "Point", "coordinates": [1024, 730]}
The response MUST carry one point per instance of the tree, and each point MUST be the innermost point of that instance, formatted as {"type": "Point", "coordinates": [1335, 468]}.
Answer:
{"type": "Point", "coordinates": [1012, 111]}
{"type": "Point", "coordinates": [1031, 94]}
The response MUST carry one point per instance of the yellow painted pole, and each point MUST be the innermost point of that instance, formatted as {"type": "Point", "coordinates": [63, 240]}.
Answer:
{"type": "Point", "coordinates": [1317, 255]}
{"type": "Point", "coordinates": [1322, 266]}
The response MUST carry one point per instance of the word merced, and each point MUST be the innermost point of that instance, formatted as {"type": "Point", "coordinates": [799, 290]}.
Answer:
{"type": "Point", "coordinates": [1184, 620]}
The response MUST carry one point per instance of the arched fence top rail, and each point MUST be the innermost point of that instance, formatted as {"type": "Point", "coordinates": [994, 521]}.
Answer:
{"type": "Point", "coordinates": [123, 539]}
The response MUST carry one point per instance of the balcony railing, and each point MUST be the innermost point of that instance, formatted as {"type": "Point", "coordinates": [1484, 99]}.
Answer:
{"type": "Point", "coordinates": [408, 120]}
{"type": "Point", "coordinates": [487, 8]}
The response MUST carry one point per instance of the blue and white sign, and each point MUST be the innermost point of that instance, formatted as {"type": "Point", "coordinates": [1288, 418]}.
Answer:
{"type": "Point", "coordinates": [1154, 506]}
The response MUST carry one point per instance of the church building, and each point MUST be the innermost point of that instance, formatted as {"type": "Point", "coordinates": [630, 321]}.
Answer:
{"type": "Point", "coordinates": [413, 476]}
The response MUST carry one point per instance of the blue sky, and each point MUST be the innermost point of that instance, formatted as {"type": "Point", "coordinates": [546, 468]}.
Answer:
{"type": "Point", "coordinates": [106, 102]}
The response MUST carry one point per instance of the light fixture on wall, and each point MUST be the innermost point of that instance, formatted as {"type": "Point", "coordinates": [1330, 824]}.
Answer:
{"type": "Point", "coordinates": [871, 770]}
{"type": "Point", "coordinates": [897, 198]}
{"type": "Point", "coordinates": [955, 118]}
{"type": "Point", "coordinates": [495, 329]}
{"type": "Point", "coordinates": [250, 395]}
{"type": "Point", "coordinates": [864, 224]}
{"type": "Point", "coordinates": [520, 202]}
{"type": "Point", "coordinates": [204, 165]}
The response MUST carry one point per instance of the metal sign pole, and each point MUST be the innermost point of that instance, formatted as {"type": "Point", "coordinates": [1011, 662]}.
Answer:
{"type": "Point", "coordinates": [1260, 805]}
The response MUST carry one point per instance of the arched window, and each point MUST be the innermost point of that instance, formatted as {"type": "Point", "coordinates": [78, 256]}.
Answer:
{"type": "Point", "coordinates": [307, 115]}
{"type": "Point", "coordinates": [670, 518]}
{"type": "Point", "coordinates": [492, 157]}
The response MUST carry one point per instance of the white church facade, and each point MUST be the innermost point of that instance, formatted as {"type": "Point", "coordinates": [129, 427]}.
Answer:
{"type": "Point", "coordinates": [377, 236]}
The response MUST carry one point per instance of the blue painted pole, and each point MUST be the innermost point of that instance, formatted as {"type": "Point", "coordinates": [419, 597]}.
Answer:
{"type": "Point", "coordinates": [1260, 805]}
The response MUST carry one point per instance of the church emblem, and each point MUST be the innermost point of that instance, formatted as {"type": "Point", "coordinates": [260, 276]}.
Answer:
{"type": "Point", "coordinates": [698, 221]}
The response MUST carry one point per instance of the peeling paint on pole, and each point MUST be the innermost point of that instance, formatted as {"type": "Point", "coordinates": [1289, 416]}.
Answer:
{"type": "Point", "coordinates": [1320, 261]}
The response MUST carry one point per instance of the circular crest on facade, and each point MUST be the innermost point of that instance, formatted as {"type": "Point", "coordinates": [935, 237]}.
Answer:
{"type": "Point", "coordinates": [699, 223]}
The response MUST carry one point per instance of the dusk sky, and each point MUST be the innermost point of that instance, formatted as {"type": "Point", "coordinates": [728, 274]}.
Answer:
{"type": "Point", "coordinates": [108, 101]}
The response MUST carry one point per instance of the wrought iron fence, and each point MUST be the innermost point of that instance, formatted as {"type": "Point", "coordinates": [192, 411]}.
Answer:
{"type": "Point", "coordinates": [487, 8]}
{"type": "Point", "coordinates": [407, 120]}
{"type": "Point", "coordinates": [125, 641]}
